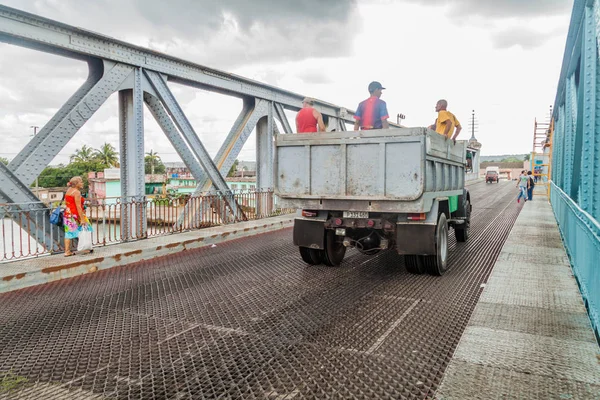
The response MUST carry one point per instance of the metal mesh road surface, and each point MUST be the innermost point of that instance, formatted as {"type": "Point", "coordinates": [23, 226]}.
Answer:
{"type": "Point", "coordinates": [248, 319]}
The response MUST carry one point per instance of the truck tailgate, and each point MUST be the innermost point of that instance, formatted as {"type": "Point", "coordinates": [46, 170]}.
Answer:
{"type": "Point", "coordinates": [367, 165]}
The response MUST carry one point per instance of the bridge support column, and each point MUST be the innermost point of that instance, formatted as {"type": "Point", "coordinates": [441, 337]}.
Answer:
{"type": "Point", "coordinates": [133, 186]}
{"type": "Point", "coordinates": [265, 147]}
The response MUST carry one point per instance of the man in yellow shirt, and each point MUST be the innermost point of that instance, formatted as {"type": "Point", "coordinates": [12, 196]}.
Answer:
{"type": "Point", "coordinates": [446, 121]}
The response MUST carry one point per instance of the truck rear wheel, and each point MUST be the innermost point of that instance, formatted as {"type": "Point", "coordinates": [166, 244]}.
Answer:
{"type": "Point", "coordinates": [414, 264]}
{"type": "Point", "coordinates": [334, 249]}
{"type": "Point", "coordinates": [438, 263]}
{"type": "Point", "coordinates": [310, 256]}
{"type": "Point", "coordinates": [462, 231]}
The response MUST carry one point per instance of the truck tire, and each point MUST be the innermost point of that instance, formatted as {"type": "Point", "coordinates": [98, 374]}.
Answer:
{"type": "Point", "coordinates": [310, 256]}
{"type": "Point", "coordinates": [334, 249]}
{"type": "Point", "coordinates": [462, 231]}
{"type": "Point", "coordinates": [414, 264]}
{"type": "Point", "coordinates": [438, 263]}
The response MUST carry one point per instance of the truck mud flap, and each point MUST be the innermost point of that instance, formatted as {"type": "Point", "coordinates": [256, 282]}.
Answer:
{"type": "Point", "coordinates": [309, 234]}
{"type": "Point", "coordinates": [417, 239]}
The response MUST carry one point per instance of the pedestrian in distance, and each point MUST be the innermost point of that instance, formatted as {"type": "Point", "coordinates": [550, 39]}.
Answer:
{"type": "Point", "coordinates": [372, 113]}
{"type": "Point", "coordinates": [446, 122]}
{"type": "Point", "coordinates": [530, 187]}
{"type": "Point", "coordinates": [74, 215]}
{"type": "Point", "coordinates": [522, 185]}
{"type": "Point", "coordinates": [308, 119]}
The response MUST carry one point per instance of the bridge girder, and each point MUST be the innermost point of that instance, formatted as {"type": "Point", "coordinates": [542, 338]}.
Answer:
{"type": "Point", "coordinates": [140, 75]}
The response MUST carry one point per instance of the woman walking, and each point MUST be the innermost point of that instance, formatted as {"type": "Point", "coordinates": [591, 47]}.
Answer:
{"type": "Point", "coordinates": [523, 185]}
{"type": "Point", "coordinates": [74, 216]}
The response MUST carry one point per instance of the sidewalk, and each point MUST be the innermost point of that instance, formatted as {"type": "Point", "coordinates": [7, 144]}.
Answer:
{"type": "Point", "coordinates": [36, 271]}
{"type": "Point", "coordinates": [529, 336]}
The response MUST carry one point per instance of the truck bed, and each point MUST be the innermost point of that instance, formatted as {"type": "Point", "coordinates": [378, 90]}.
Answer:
{"type": "Point", "coordinates": [380, 170]}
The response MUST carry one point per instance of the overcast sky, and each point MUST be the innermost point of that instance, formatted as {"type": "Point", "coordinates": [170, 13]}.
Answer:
{"type": "Point", "coordinates": [501, 58]}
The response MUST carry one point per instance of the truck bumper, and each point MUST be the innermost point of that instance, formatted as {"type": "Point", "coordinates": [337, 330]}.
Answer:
{"type": "Point", "coordinates": [309, 233]}
{"type": "Point", "coordinates": [415, 239]}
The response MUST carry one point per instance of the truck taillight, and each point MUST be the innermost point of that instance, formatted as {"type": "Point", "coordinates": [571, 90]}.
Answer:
{"type": "Point", "coordinates": [338, 221]}
{"type": "Point", "coordinates": [370, 223]}
{"type": "Point", "coordinates": [417, 217]}
{"type": "Point", "coordinates": [308, 213]}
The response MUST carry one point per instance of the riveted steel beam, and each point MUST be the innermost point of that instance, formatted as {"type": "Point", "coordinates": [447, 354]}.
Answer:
{"type": "Point", "coordinates": [588, 111]}
{"type": "Point", "coordinates": [27, 210]}
{"type": "Point", "coordinates": [103, 80]}
{"type": "Point", "coordinates": [265, 151]}
{"type": "Point", "coordinates": [280, 114]}
{"type": "Point", "coordinates": [238, 135]}
{"type": "Point", "coordinates": [164, 121]}
{"type": "Point", "coordinates": [252, 111]}
{"type": "Point", "coordinates": [186, 129]}
{"type": "Point", "coordinates": [131, 118]}
{"type": "Point", "coordinates": [29, 30]}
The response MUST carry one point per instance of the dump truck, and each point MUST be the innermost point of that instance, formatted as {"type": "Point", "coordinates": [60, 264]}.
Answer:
{"type": "Point", "coordinates": [374, 190]}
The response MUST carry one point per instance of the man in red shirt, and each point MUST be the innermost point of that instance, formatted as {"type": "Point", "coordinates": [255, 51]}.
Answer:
{"type": "Point", "coordinates": [372, 113]}
{"type": "Point", "coordinates": [309, 120]}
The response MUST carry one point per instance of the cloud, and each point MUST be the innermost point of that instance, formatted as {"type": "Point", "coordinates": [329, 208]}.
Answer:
{"type": "Point", "coordinates": [525, 37]}
{"type": "Point", "coordinates": [500, 8]}
{"type": "Point", "coordinates": [221, 34]}
{"type": "Point", "coordinates": [314, 76]}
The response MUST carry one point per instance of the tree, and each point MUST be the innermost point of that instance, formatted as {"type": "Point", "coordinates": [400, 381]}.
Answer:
{"type": "Point", "coordinates": [153, 164]}
{"type": "Point", "coordinates": [511, 159]}
{"type": "Point", "coordinates": [107, 155]}
{"type": "Point", "coordinates": [85, 154]}
{"type": "Point", "coordinates": [527, 157]}
{"type": "Point", "coordinates": [4, 160]}
{"type": "Point", "coordinates": [233, 168]}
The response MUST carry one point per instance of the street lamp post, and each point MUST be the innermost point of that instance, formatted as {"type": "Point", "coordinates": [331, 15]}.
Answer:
{"type": "Point", "coordinates": [37, 187]}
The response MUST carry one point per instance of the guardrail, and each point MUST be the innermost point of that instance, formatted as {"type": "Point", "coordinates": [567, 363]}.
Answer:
{"type": "Point", "coordinates": [575, 190]}
{"type": "Point", "coordinates": [164, 216]}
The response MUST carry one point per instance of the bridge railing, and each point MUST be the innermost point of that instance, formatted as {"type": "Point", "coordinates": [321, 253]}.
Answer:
{"type": "Point", "coordinates": [108, 215]}
{"type": "Point", "coordinates": [575, 186]}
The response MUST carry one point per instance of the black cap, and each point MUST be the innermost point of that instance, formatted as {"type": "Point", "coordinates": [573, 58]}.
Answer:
{"type": "Point", "coordinates": [373, 86]}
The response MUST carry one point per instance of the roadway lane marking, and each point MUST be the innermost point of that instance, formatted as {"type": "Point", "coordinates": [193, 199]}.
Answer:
{"type": "Point", "coordinates": [382, 338]}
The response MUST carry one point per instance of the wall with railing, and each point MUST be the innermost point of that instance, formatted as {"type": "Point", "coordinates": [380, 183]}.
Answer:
{"type": "Point", "coordinates": [575, 186]}
{"type": "Point", "coordinates": [164, 216]}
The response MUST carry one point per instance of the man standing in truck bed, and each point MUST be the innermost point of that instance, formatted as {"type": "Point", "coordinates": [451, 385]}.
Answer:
{"type": "Point", "coordinates": [446, 121]}
{"type": "Point", "coordinates": [372, 113]}
{"type": "Point", "coordinates": [309, 120]}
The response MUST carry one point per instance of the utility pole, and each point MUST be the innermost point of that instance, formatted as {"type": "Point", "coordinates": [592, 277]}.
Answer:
{"type": "Point", "coordinates": [37, 187]}
{"type": "Point", "coordinates": [473, 125]}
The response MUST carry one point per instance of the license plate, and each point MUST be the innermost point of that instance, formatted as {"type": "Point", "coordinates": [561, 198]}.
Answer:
{"type": "Point", "coordinates": [356, 214]}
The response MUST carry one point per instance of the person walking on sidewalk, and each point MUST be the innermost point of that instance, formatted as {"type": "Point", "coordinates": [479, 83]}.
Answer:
{"type": "Point", "coordinates": [523, 185]}
{"type": "Point", "coordinates": [74, 215]}
{"type": "Point", "coordinates": [530, 187]}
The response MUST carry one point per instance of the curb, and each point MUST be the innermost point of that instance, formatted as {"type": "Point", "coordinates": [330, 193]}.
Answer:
{"type": "Point", "coordinates": [191, 240]}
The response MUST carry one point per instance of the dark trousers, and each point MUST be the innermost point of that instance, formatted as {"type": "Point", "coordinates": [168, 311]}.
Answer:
{"type": "Point", "coordinates": [530, 193]}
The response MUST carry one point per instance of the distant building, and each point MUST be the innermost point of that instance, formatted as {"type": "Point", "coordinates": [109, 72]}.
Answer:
{"type": "Point", "coordinates": [247, 183]}
{"type": "Point", "coordinates": [177, 170]}
{"type": "Point", "coordinates": [105, 187]}
{"type": "Point", "coordinates": [50, 195]}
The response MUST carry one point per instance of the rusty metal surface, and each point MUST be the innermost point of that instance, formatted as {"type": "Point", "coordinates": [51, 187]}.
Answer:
{"type": "Point", "coordinates": [248, 319]}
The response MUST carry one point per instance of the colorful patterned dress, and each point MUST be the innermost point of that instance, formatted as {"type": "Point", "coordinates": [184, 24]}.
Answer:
{"type": "Point", "coordinates": [71, 218]}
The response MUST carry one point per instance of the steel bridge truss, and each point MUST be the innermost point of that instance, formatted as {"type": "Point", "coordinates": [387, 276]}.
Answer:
{"type": "Point", "coordinates": [140, 77]}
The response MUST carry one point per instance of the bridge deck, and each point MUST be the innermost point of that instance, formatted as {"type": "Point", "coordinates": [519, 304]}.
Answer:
{"type": "Point", "coordinates": [248, 319]}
